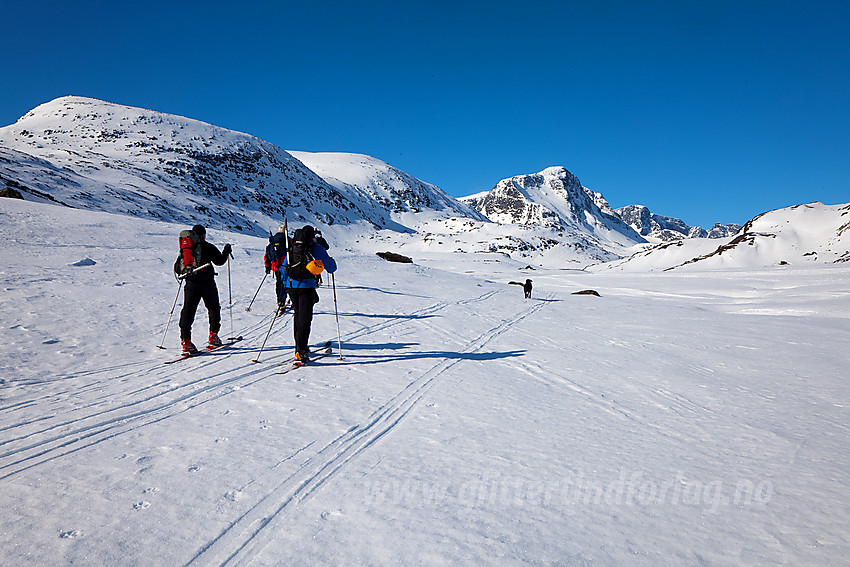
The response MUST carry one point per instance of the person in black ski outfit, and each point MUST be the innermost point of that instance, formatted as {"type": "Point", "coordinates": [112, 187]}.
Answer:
{"type": "Point", "coordinates": [201, 285]}
{"type": "Point", "coordinates": [303, 293]}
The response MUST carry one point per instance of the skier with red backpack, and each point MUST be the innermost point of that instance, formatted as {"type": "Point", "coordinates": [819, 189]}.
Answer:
{"type": "Point", "coordinates": [194, 266]}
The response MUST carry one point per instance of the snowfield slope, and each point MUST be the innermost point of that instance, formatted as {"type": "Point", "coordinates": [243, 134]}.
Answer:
{"type": "Point", "coordinates": [683, 417]}
{"type": "Point", "coordinates": [97, 155]}
{"type": "Point", "coordinates": [396, 191]}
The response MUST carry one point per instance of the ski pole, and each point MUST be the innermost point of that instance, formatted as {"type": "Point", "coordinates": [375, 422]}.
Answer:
{"type": "Point", "coordinates": [257, 360]}
{"type": "Point", "coordinates": [336, 312]}
{"type": "Point", "coordinates": [230, 299]}
{"type": "Point", "coordinates": [198, 269]}
{"type": "Point", "coordinates": [258, 291]}
{"type": "Point", "coordinates": [179, 287]}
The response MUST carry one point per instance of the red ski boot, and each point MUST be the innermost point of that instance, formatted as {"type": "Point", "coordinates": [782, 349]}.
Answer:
{"type": "Point", "coordinates": [188, 348]}
{"type": "Point", "coordinates": [214, 341]}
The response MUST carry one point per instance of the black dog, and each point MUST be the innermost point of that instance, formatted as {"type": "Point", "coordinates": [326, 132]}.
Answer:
{"type": "Point", "coordinates": [526, 287]}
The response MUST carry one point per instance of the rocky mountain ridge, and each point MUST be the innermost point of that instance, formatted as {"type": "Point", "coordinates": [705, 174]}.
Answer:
{"type": "Point", "coordinates": [553, 199]}
{"type": "Point", "coordinates": [661, 228]}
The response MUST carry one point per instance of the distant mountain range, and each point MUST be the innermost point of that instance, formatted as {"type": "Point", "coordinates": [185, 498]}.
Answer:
{"type": "Point", "coordinates": [668, 228]}
{"type": "Point", "coordinates": [807, 234]}
{"type": "Point", "coordinates": [90, 154]}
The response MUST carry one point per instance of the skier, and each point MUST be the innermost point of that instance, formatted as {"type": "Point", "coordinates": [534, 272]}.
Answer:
{"type": "Point", "coordinates": [200, 284]}
{"type": "Point", "coordinates": [301, 284]}
{"type": "Point", "coordinates": [320, 240]}
{"type": "Point", "coordinates": [275, 253]}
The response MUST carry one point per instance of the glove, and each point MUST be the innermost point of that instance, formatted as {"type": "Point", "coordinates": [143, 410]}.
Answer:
{"type": "Point", "coordinates": [226, 250]}
{"type": "Point", "coordinates": [268, 270]}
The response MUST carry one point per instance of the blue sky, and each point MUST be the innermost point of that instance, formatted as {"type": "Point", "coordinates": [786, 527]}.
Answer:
{"type": "Point", "coordinates": [707, 111]}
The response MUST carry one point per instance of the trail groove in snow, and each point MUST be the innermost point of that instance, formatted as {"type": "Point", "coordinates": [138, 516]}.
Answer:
{"type": "Point", "coordinates": [248, 535]}
{"type": "Point", "coordinates": [65, 432]}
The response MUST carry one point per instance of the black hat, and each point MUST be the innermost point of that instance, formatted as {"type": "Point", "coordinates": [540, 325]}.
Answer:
{"type": "Point", "coordinates": [199, 230]}
{"type": "Point", "coordinates": [309, 232]}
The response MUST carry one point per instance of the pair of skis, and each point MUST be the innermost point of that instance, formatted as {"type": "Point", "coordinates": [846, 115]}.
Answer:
{"type": "Point", "coordinates": [288, 365]}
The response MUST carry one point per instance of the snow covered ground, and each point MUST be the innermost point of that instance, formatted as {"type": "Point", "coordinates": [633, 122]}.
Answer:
{"type": "Point", "coordinates": [686, 417]}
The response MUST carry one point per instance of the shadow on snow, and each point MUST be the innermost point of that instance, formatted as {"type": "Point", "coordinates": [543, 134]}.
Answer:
{"type": "Point", "coordinates": [351, 353]}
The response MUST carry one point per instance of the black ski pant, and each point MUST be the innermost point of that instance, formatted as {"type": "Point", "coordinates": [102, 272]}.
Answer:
{"type": "Point", "coordinates": [303, 301]}
{"type": "Point", "coordinates": [193, 293]}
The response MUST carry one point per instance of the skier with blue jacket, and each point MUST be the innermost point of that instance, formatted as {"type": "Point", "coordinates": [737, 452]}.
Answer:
{"type": "Point", "coordinates": [305, 260]}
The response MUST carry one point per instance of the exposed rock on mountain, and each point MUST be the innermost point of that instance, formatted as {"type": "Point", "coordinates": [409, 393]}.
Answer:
{"type": "Point", "coordinates": [92, 154]}
{"type": "Point", "coordinates": [554, 199]}
{"type": "Point", "coordinates": [10, 193]}
{"type": "Point", "coordinates": [666, 229]}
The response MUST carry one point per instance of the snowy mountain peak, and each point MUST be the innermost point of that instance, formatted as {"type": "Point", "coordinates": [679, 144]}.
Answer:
{"type": "Point", "coordinates": [373, 179]}
{"type": "Point", "coordinates": [97, 155]}
{"type": "Point", "coordinates": [553, 198]}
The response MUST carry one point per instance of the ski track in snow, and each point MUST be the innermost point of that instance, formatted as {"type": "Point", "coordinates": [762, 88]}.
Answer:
{"type": "Point", "coordinates": [403, 452]}
{"type": "Point", "coordinates": [248, 535]}
{"type": "Point", "coordinates": [73, 426]}
{"type": "Point", "coordinates": [661, 398]}
{"type": "Point", "coordinates": [136, 408]}
{"type": "Point", "coordinates": [21, 453]}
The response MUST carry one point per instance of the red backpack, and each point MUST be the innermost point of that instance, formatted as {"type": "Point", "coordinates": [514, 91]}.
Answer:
{"type": "Point", "coordinates": [190, 250]}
